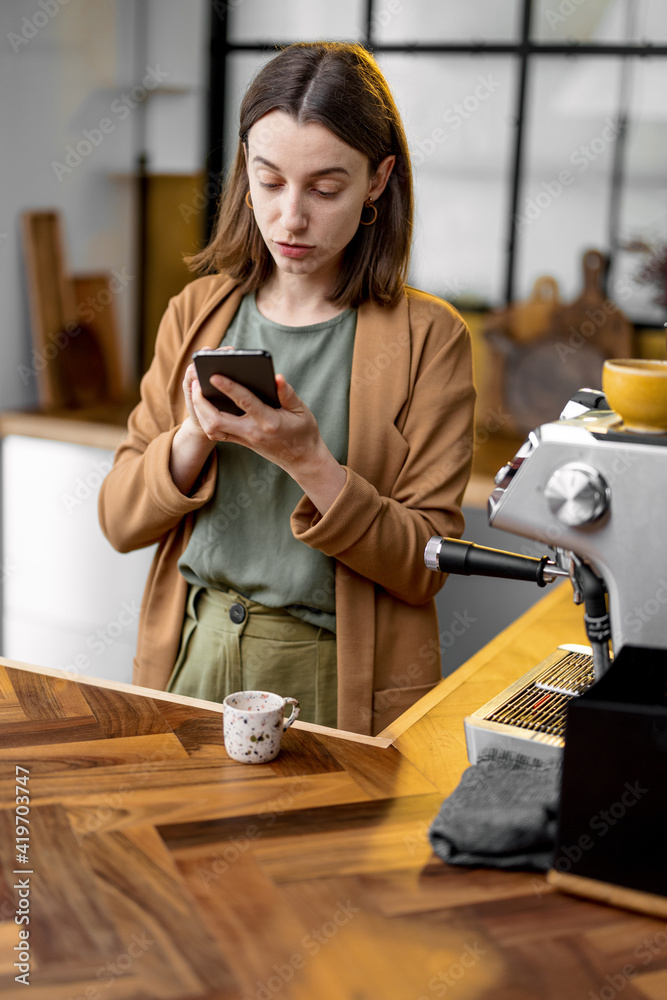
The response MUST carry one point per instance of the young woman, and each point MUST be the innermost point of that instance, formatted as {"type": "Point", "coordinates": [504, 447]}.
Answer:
{"type": "Point", "coordinates": [291, 540]}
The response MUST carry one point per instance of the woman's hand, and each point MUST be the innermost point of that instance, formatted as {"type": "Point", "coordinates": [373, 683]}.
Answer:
{"type": "Point", "coordinates": [289, 437]}
{"type": "Point", "coordinates": [189, 381]}
{"type": "Point", "coordinates": [191, 445]}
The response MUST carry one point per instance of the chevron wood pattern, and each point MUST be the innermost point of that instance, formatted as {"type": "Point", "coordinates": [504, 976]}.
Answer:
{"type": "Point", "coordinates": [159, 869]}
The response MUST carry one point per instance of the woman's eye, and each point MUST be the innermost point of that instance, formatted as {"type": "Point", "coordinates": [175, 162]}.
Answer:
{"type": "Point", "coordinates": [273, 185]}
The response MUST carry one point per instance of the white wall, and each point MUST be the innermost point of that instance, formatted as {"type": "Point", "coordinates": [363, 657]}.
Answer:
{"type": "Point", "coordinates": [70, 601]}
{"type": "Point", "coordinates": [64, 67]}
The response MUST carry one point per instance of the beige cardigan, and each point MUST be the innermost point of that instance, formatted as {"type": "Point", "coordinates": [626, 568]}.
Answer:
{"type": "Point", "coordinates": [409, 458]}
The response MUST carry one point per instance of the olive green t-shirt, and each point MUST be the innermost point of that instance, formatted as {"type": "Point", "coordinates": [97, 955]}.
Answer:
{"type": "Point", "coordinates": [242, 538]}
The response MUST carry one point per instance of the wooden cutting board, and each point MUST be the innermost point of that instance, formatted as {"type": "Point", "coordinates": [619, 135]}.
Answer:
{"type": "Point", "coordinates": [539, 379]}
{"type": "Point", "coordinates": [92, 294]}
{"type": "Point", "coordinates": [545, 353]}
{"type": "Point", "coordinates": [50, 295]}
{"type": "Point", "coordinates": [529, 320]}
{"type": "Point", "coordinates": [67, 359]}
{"type": "Point", "coordinates": [80, 372]}
{"type": "Point", "coordinates": [593, 317]}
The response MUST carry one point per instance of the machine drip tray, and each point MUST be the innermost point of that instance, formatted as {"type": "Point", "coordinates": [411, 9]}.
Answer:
{"type": "Point", "coordinates": [529, 716]}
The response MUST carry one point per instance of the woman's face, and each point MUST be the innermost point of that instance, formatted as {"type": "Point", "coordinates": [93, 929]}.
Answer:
{"type": "Point", "coordinates": [307, 188]}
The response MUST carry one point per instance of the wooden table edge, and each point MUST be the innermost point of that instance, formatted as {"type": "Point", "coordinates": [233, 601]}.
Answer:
{"type": "Point", "coordinates": [180, 699]}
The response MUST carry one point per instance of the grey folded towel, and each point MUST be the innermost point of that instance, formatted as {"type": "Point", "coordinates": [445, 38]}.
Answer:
{"type": "Point", "coordinates": [502, 814]}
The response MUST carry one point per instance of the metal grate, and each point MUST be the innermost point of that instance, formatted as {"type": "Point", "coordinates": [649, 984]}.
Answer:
{"type": "Point", "coordinates": [571, 676]}
{"type": "Point", "coordinates": [541, 705]}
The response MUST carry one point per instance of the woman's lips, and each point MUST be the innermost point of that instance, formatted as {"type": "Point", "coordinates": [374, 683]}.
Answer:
{"type": "Point", "coordinates": [293, 249]}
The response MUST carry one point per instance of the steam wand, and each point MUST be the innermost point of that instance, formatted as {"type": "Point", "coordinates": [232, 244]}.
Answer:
{"type": "Point", "coordinates": [453, 555]}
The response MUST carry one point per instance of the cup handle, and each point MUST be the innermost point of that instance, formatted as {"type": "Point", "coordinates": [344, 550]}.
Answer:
{"type": "Point", "coordinates": [295, 712]}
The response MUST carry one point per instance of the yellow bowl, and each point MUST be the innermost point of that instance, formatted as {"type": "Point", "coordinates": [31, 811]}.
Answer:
{"type": "Point", "coordinates": [637, 390]}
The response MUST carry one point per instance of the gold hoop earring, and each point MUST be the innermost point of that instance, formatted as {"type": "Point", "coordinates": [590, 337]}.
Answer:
{"type": "Point", "coordinates": [247, 201]}
{"type": "Point", "coordinates": [369, 204]}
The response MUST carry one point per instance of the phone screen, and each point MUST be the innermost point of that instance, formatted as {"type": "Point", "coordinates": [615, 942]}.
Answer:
{"type": "Point", "coordinates": [251, 368]}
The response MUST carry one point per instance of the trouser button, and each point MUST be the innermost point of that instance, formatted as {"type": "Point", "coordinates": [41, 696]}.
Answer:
{"type": "Point", "coordinates": [237, 613]}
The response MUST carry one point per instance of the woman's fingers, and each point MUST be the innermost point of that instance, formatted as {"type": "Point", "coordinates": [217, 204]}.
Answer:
{"type": "Point", "coordinates": [249, 402]}
{"type": "Point", "coordinates": [287, 395]}
{"type": "Point", "coordinates": [209, 416]}
{"type": "Point", "coordinates": [190, 378]}
{"type": "Point", "coordinates": [238, 393]}
{"type": "Point", "coordinates": [189, 383]}
{"type": "Point", "coordinates": [284, 436]}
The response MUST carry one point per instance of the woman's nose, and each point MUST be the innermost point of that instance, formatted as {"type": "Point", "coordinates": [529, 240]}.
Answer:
{"type": "Point", "coordinates": [293, 214]}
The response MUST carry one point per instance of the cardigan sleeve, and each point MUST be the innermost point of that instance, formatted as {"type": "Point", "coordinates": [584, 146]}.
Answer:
{"type": "Point", "coordinates": [139, 501]}
{"type": "Point", "coordinates": [383, 537]}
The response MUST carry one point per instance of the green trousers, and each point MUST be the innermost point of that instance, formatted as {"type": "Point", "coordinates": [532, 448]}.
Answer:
{"type": "Point", "coordinates": [230, 643]}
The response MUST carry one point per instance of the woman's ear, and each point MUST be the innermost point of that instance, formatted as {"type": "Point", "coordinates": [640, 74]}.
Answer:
{"type": "Point", "coordinates": [381, 176]}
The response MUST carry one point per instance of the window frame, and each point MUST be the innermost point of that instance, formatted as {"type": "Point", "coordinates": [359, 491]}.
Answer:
{"type": "Point", "coordinates": [525, 50]}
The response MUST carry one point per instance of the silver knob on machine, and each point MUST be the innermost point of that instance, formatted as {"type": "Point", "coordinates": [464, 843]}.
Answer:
{"type": "Point", "coordinates": [577, 494]}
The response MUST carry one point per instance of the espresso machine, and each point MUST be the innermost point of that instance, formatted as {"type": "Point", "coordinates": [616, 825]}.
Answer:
{"type": "Point", "coordinates": [595, 493]}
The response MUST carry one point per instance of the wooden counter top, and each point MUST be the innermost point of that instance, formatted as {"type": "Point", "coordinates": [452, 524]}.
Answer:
{"type": "Point", "coordinates": [97, 428]}
{"type": "Point", "coordinates": [159, 868]}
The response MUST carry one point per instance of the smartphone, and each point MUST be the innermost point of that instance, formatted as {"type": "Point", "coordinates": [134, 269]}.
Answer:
{"type": "Point", "coordinates": [251, 368]}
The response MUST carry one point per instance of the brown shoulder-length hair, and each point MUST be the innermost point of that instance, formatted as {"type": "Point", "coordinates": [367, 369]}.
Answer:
{"type": "Point", "coordinates": [338, 85]}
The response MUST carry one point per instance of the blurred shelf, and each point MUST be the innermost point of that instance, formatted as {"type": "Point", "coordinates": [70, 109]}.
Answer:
{"type": "Point", "coordinates": [103, 426]}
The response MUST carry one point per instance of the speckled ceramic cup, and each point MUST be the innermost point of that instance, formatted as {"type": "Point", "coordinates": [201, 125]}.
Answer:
{"type": "Point", "coordinates": [254, 722]}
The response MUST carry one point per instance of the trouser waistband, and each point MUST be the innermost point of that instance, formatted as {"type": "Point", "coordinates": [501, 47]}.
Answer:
{"type": "Point", "coordinates": [223, 610]}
